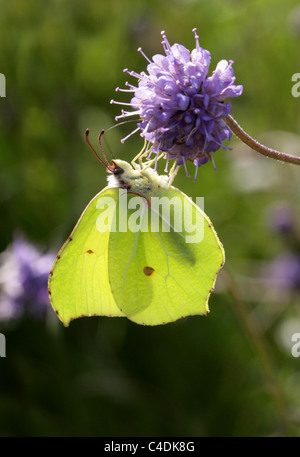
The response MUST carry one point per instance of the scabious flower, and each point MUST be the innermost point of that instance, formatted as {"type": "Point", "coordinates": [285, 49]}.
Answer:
{"type": "Point", "coordinates": [24, 272]}
{"type": "Point", "coordinates": [179, 106]}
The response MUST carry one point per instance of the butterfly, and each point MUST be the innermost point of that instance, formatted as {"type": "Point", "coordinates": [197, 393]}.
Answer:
{"type": "Point", "coordinates": [141, 249]}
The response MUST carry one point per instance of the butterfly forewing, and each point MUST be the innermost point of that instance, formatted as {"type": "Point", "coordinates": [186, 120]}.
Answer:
{"type": "Point", "coordinates": [79, 283]}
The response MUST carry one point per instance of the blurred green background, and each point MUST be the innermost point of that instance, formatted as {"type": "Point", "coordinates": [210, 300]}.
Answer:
{"type": "Point", "coordinates": [230, 374]}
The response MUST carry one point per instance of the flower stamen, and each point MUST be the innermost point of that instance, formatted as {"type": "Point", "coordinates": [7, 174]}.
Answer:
{"type": "Point", "coordinates": [129, 135]}
{"type": "Point", "coordinates": [144, 55]}
{"type": "Point", "coordinates": [197, 40]}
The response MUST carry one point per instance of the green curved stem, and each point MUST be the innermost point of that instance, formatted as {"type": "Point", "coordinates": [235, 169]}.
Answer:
{"type": "Point", "coordinates": [253, 144]}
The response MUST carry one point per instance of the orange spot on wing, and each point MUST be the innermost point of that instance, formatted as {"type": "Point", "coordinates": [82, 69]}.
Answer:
{"type": "Point", "coordinates": [148, 271]}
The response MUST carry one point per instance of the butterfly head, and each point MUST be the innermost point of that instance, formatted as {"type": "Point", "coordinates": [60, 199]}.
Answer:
{"type": "Point", "coordinates": [140, 178]}
{"type": "Point", "coordinates": [121, 174]}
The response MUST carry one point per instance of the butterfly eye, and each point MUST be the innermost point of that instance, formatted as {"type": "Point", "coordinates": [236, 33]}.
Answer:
{"type": "Point", "coordinates": [118, 171]}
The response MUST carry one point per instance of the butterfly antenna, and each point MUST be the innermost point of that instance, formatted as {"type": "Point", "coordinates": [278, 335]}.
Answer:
{"type": "Point", "coordinates": [96, 154]}
{"type": "Point", "coordinates": [108, 147]}
{"type": "Point", "coordinates": [101, 147]}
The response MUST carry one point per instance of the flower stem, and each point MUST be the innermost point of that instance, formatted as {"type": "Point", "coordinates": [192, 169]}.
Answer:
{"type": "Point", "coordinates": [253, 144]}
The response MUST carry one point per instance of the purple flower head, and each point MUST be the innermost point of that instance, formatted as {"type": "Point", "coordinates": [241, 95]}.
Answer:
{"type": "Point", "coordinates": [181, 110]}
{"type": "Point", "coordinates": [24, 272]}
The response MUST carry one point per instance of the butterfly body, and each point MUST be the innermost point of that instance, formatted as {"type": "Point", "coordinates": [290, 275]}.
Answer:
{"type": "Point", "coordinates": [143, 181]}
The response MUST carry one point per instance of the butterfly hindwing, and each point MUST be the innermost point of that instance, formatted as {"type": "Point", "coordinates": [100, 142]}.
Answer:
{"type": "Point", "coordinates": [160, 277]}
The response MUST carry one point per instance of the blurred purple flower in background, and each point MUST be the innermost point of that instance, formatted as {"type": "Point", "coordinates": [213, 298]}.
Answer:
{"type": "Point", "coordinates": [282, 218]}
{"type": "Point", "coordinates": [24, 272]}
{"type": "Point", "coordinates": [284, 271]}
{"type": "Point", "coordinates": [180, 108]}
